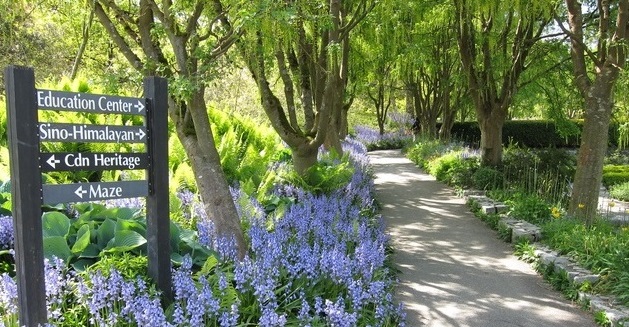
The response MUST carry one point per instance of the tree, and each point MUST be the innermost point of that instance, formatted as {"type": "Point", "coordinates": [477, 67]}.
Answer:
{"type": "Point", "coordinates": [429, 66]}
{"type": "Point", "coordinates": [307, 42]}
{"type": "Point", "coordinates": [597, 62]}
{"type": "Point", "coordinates": [374, 58]}
{"type": "Point", "coordinates": [28, 37]}
{"type": "Point", "coordinates": [496, 42]}
{"type": "Point", "coordinates": [182, 43]}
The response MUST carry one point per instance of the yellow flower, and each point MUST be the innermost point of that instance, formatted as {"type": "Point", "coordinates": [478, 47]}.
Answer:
{"type": "Point", "coordinates": [555, 212]}
{"type": "Point", "coordinates": [581, 205]}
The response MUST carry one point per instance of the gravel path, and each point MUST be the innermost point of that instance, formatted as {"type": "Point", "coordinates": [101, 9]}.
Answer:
{"type": "Point", "coordinates": [454, 269]}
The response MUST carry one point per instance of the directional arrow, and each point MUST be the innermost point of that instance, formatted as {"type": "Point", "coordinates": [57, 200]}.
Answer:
{"type": "Point", "coordinates": [141, 134]}
{"type": "Point", "coordinates": [80, 191]}
{"type": "Point", "coordinates": [52, 161]}
{"type": "Point", "coordinates": [139, 106]}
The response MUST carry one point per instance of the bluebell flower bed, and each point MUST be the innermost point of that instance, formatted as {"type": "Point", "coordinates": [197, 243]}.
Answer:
{"type": "Point", "coordinates": [323, 261]}
{"type": "Point", "coordinates": [389, 140]}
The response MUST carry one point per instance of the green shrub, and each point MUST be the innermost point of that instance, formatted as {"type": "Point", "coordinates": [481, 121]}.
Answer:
{"type": "Point", "coordinates": [615, 174]}
{"type": "Point", "coordinates": [452, 169]}
{"type": "Point", "coordinates": [487, 178]}
{"type": "Point", "coordinates": [601, 247]}
{"type": "Point", "coordinates": [535, 133]}
{"type": "Point", "coordinates": [99, 231]}
{"type": "Point", "coordinates": [324, 177]}
{"type": "Point", "coordinates": [545, 172]}
{"type": "Point", "coordinates": [529, 207]}
{"type": "Point", "coordinates": [426, 150]}
{"type": "Point", "coordinates": [620, 191]}
{"type": "Point", "coordinates": [617, 157]}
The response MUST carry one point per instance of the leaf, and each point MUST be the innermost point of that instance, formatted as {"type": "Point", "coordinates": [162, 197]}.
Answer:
{"type": "Point", "coordinates": [176, 258]}
{"type": "Point", "coordinates": [91, 251]}
{"type": "Point", "coordinates": [58, 247]}
{"type": "Point", "coordinates": [175, 237]}
{"type": "Point", "coordinates": [55, 224]}
{"type": "Point", "coordinates": [125, 240]}
{"type": "Point", "coordinates": [105, 232]}
{"type": "Point", "coordinates": [117, 213]}
{"type": "Point", "coordinates": [83, 264]}
{"type": "Point", "coordinates": [82, 239]}
{"type": "Point", "coordinates": [123, 224]}
{"type": "Point", "coordinates": [209, 265]}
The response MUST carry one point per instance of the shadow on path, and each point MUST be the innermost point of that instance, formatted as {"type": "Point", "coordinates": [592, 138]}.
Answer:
{"type": "Point", "coordinates": [454, 269]}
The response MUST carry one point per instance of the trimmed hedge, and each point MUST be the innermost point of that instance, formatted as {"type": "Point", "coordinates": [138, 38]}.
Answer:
{"type": "Point", "coordinates": [528, 133]}
{"type": "Point", "coordinates": [614, 174]}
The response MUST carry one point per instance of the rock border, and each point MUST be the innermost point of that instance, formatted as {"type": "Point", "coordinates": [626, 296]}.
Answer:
{"type": "Point", "coordinates": [517, 230]}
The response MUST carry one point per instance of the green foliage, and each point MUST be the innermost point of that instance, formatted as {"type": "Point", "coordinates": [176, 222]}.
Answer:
{"type": "Point", "coordinates": [601, 319]}
{"type": "Point", "coordinates": [615, 174]}
{"type": "Point", "coordinates": [487, 178]}
{"type": "Point", "coordinates": [5, 201]}
{"type": "Point", "coordinates": [602, 248]}
{"type": "Point", "coordinates": [426, 150]}
{"type": "Point", "coordinates": [525, 251]}
{"type": "Point", "coordinates": [99, 232]}
{"type": "Point", "coordinates": [623, 135]}
{"type": "Point", "coordinates": [620, 191]}
{"type": "Point", "coordinates": [617, 157]}
{"type": "Point", "coordinates": [327, 175]}
{"type": "Point", "coordinates": [544, 172]}
{"type": "Point", "coordinates": [453, 169]}
{"type": "Point", "coordinates": [529, 207]}
{"type": "Point", "coordinates": [130, 266]}
{"type": "Point", "coordinates": [533, 133]}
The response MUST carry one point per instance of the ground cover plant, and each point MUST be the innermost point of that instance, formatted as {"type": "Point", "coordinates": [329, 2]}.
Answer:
{"type": "Point", "coordinates": [320, 259]}
{"type": "Point", "coordinates": [399, 134]}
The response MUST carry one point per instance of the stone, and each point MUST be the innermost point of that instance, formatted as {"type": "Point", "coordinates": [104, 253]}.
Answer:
{"type": "Point", "coordinates": [518, 234]}
{"type": "Point", "coordinates": [501, 208]}
{"type": "Point", "coordinates": [592, 278]}
{"type": "Point", "coordinates": [488, 209]}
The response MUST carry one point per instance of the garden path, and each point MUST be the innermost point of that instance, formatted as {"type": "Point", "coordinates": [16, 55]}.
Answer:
{"type": "Point", "coordinates": [454, 269]}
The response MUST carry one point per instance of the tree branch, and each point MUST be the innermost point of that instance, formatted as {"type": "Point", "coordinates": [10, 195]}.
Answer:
{"type": "Point", "coordinates": [118, 39]}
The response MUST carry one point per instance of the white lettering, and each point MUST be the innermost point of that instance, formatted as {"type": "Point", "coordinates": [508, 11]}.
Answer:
{"type": "Point", "coordinates": [46, 99]}
{"type": "Point", "coordinates": [76, 160]}
{"type": "Point", "coordinates": [105, 192]}
{"type": "Point", "coordinates": [47, 133]}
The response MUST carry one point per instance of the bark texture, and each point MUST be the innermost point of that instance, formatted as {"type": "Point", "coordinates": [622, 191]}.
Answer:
{"type": "Point", "coordinates": [596, 87]}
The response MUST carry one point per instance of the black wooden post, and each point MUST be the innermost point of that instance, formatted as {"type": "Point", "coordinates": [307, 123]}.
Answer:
{"type": "Point", "coordinates": [157, 206]}
{"type": "Point", "coordinates": [26, 194]}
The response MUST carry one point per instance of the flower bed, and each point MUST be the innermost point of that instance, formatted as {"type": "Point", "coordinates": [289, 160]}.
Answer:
{"type": "Point", "coordinates": [322, 262]}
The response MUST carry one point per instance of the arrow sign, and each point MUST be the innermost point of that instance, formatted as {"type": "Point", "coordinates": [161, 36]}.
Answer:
{"type": "Point", "coordinates": [58, 161]}
{"type": "Point", "coordinates": [139, 107]}
{"type": "Point", "coordinates": [80, 191]}
{"type": "Point", "coordinates": [52, 161]}
{"type": "Point", "coordinates": [141, 133]}
{"type": "Point", "coordinates": [85, 192]}
{"type": "Point", "coordinates": [62, 132]}
{"type": "Point", "coordinates": [92, 103]}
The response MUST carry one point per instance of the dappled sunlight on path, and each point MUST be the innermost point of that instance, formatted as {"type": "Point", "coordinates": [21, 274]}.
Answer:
{"type": "Point", "coordinates": [454, 269]}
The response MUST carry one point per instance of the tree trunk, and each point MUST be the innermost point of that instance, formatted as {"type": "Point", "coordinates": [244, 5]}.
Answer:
{"type": "Point", "coordinates": [428, 126]}
{"type": "Point", "coordinates": [210, 178]}
{"type": "Point", "coordinates": [594, 140]}
{"type": "Point", "coordinates": [446, 123]}
{"type": "Point", "coordinates": [304, 157]}
{"type": "Point", "coordinates": [344, 125]}
{"type": "Point", "coordinates": [491, 139]}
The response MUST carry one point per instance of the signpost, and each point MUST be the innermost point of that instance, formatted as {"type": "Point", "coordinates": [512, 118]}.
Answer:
{"type": "Point", "coordinates": [54, 161]}
{"type": "Point", "coordinates": [56, 132]}
{"type": "Point", "coordinates": [25, 133]}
